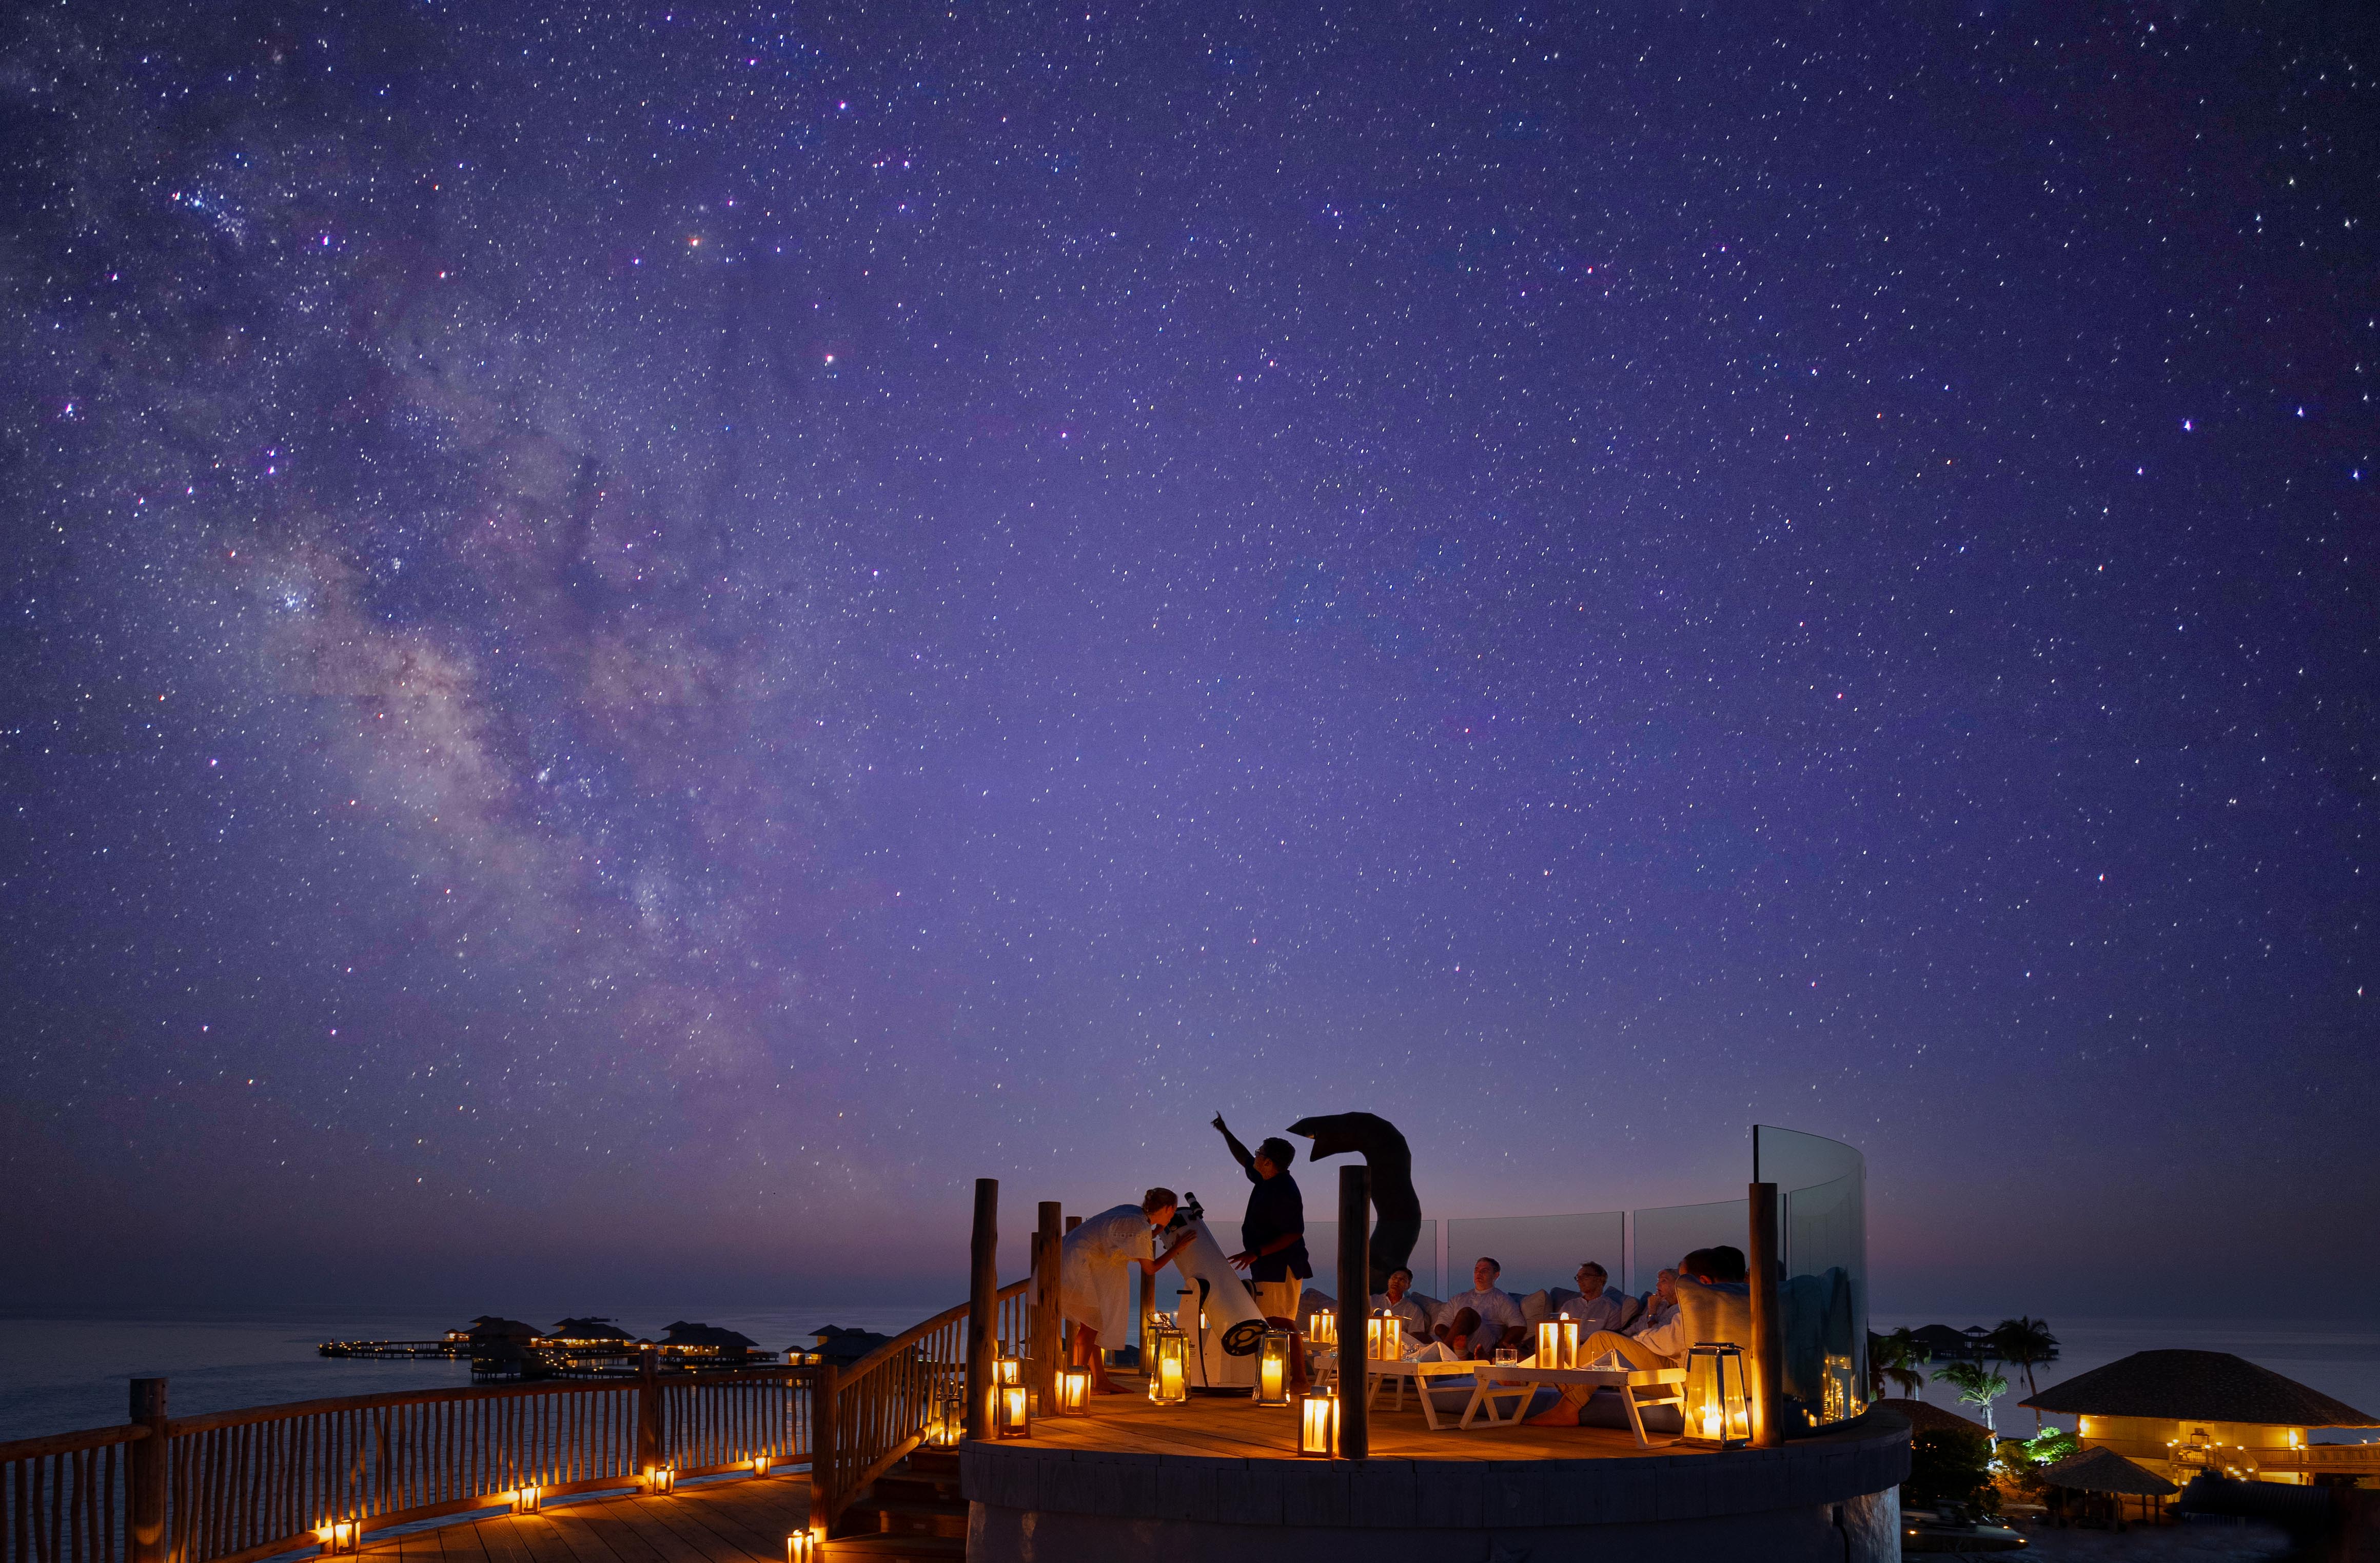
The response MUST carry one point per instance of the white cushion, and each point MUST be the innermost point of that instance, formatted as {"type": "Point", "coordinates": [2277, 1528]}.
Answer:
{"type": "Point", "coordinates": [1536, 1308]}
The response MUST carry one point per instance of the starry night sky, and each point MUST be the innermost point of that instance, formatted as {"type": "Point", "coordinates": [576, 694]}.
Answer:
{"type": "Point", "coordinates": [640, 641]}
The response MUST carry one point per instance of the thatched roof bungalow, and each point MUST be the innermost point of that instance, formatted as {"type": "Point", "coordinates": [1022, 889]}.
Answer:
{"type": "Point", "coordinates": [2180, 1413]}
{"type": "Point", "coordinates": [704, 1342]}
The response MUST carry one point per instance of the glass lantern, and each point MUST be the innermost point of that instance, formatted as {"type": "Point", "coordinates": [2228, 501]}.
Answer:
{"type": "Point", "coordinates": [801, 1547]}
{"type": "Point", "coordinates": [1272, 1368]}
{"type": "Point", "coordinates": [1719, 1409]}
{"type": "Point", "coordinates": [1318, 1425]}
{"type": "Point", "coordinates": [1169, 1376]}
{"type": "Point", "coordinates": [340, 1536]}
{"type": "Point", "coordinates": [1008, 1370]}
{"type": "Point", "coordinates": [1073, 1392]}
{"type": "Point", "coordinates": [526, 1501]}
{"type": "Point", "coordinates": [1012, 1410]}
{"type": "Point", "coordinates": [1383, 1337]}
{"type": "Point", "coordinates": [1322, 1329]}
{"type": "Point", "coordinates": [659, 1480]}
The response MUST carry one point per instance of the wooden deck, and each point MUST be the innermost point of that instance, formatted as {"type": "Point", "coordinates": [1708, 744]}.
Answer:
{"type": "Point", "coordinates": [1232, 1427]}
{"type": "Point", "coordinates": [741, 1520]}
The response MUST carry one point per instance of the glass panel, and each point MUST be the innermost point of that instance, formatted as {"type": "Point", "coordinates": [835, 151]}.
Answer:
{"type": "Point", "coordinates": [1537, 1251]}
{"type": "Point", "coordinates": [1822, 1189]}
{"type": "Point", "coordinates": [1670, 1233]}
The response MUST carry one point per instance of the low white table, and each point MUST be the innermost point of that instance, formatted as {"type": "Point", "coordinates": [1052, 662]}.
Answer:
{"type": "Point", "coordinates": [1402, 1373]}
{"type": "Point", "coordinates": [1667, 1384]}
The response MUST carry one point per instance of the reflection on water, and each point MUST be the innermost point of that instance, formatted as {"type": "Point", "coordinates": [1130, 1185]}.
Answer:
{"type": "Point", "coordinates": [59, 1375]}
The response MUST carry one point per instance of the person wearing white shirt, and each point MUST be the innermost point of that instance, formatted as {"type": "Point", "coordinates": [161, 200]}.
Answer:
{"type": "Point", "coordinates": [1598, 1306]}
{"type": "Point", "coordinates": [1397, 1300]}
{"type": "Point", "coordinates": [1660, 1304]}
{"type": "Point", "coordinates": [1660, 1344]}
{"type": "Point", "coordinates": [1500, 1317]}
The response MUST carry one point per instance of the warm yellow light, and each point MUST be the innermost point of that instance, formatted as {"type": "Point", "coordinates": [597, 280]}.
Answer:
{"type": "Point", "coordinates": [1272, 1368]}
{"type": "Point", "coordinates": [1011, 1371]}
{"type": "Point", "coordinates": [660, 1479]}
{"type": "Point", "coordinates": [1015, 1409]}
{"type": "Point", "coordinates": [1323, 1329]}
{"type": "Point", "coordinates": [759, 1465]}
{"type": "Point", "coordinates": [1318, 1425]}
{"type": "Point", "coordinates": [1073, 1392]}
{"type": "Point", "coordinates": [528, 1500]}
{"type": "Point", "coordinates": [1383, 1338]}
{"type": "Point", "coordinates": [801, 1547]}
{"type": "Point", "coordinates": [1169, 1374]}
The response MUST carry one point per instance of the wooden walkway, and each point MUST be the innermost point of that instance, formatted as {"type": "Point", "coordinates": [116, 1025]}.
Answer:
{"type": "Point", "coordinates": [742, 1521]}
{"type": "Point", "coordinates": [1232, 1427]}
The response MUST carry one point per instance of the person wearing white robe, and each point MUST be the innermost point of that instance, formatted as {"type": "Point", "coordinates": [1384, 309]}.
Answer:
{"type": "Point", "coordinates": [1597, 1304]}
{"type": "Point", "coordinates": [1500, 1317]}
{"type": "Point", "coordinates": [1095, 1263]}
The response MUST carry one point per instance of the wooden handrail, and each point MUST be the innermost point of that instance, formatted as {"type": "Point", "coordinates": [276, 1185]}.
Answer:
{"type": "Point", "coordinates": [915, 1333]}
{"type": "Point", "coordinates": [250, 1414]}
{"type": "Point", "coordinates": [69, 1443]}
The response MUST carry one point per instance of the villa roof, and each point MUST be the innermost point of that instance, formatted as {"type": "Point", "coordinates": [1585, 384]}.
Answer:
{"type": "Point", "coordinates": [2105, 1471]}
{"type": "Point", "coordinates": [682, 1333]}
{"type": "Point", "coordinates": [2196, 1386]}
{"type": "Point", "coordinates": [591, 1329]}
{"type": "Point", "coordinates": [1925, 1417]}
{"type": "Point", "coordinates": [1941, 1340]}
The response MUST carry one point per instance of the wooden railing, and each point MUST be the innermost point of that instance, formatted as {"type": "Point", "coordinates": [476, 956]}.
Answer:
{"type": "Point", "coordinates": [62, 1497]}
{"type": "Point", "coordinates": [879, 1408]}
{"type": "Point", "coordinates": [237, 1485]}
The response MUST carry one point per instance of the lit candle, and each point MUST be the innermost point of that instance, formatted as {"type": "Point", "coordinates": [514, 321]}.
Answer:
{"type": "Point", "coordinates": [1710, 1422]}
{"type": "Point", "coordinates": [1271, 1370]}
{"type": "Point", "coordinates": [1170, 1370]}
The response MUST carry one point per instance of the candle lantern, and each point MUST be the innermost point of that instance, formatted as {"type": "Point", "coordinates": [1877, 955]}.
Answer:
{"type": "Point", "coordinates": [1384, 1336]}
{"type": "Point", "coordinates": [528, 1500]}
{"type": "Point", "coordinates": [659, 1480]}
{"type": "Point", "coordinates": [1318, 1425]}
{"type": "Point", "coordinates": [801, 1547]}
{"type": "Point", "coordinates": [946, 1423]}
{"type": "Point", "coordinates": [759, 1465]}
{"type": "Point", "coordinates": [1009, 1370]}
{"type": "Point", "coordinates": [340, 1536]}
{"type": "Point", "coordinates": [1014, 1409]}
{"type": "Point", "coordinates": [1169, 1376]}
{"type": "Point", "coordinates": [1718, 1411]}
{"type": "Point", "coordinates": [1322, 1329]}
{"type": "Point", "coordinates": [1272, 1368]}
{"type": "Point", "coordinates": [1073, 1392]}
{"type": "Point", "coordinates": [1557, 1343]}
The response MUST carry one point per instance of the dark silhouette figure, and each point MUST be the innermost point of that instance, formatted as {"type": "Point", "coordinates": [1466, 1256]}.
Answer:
{"type": "Point", "coordinates": [1385, 1151]}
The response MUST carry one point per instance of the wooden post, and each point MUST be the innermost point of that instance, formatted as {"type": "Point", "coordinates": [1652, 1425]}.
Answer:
{"type": "Point", "coordinates": [651, 1450]}
{"type": "Point", "coordinates": [1768, 1365]}
{"type": "Point", "coordinates": [983, 1302]}
{"type": "Point", "coordinates": [1355, 1301]}
{"type": "Point", "coordinates": [824, 1431]}
{"type": "Point", "coordinates": [1046, 1259]}
{"type": "Point", "coordinates": [145, 1476]}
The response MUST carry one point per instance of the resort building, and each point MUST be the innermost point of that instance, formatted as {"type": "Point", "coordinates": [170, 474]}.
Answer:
{"type": "Point", "coordinates": [2180, 1413]}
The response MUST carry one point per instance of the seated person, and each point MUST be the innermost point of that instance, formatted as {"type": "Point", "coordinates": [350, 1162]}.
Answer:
{"type": "Point", "coordinates": [1453, 1342]}
{"type": "Point", "coordinates": [1397, 1300]}
{"type": "Point", "coordinates": [1599, 1304]}
{"type": "Point", "coordinates": [1659, 1306]}
{"type": "Point", "coordinates": [1656, 1345]}
{"type": "Point", "coordinates": [1496, 1317]}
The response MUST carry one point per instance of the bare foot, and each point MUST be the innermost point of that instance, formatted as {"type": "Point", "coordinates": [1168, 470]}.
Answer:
{"type": "Point", "coordinates": [1558, 1416]}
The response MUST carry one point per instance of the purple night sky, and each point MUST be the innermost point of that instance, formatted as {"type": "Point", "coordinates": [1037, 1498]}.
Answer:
{"type": "Point", "coordinates": [641, 640]}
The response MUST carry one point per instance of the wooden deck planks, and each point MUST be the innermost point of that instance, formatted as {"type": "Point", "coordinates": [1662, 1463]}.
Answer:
{"type": "Point", "coordinates": [740, 1522]}
{"type": "Point", "coordinates": [1231, 1428]}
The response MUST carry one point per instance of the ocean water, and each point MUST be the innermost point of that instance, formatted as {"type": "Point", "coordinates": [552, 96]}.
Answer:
{"type": "Point", "coordinates": [58, 1374]}
{"type": "Point", "coordinates": [61, 1374]}
{"type": "Point", "coordinates": [2342, 1360]}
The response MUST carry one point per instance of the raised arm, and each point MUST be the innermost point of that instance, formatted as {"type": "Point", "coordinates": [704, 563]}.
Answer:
{"type": "Point", "coordinates": [1239, 1151]}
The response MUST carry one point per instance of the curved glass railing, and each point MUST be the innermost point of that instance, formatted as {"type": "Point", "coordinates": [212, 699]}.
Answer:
{"type": "Point", "coordinates": [1822, 1302]}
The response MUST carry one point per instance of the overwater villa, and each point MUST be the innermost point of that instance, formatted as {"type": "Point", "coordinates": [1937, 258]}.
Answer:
{"type": "Point", "coordinates": [2177, 1413]}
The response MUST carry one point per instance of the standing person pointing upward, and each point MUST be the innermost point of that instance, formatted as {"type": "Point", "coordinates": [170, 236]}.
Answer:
{"type": "Point", "coordinates": [1273, 1231]}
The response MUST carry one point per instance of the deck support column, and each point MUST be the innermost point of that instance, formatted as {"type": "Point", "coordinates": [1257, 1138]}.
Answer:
{"type": "Point", "coordinates": [1767, 1362]}
{"type": "Point", "coordinates": [983, 1304]}
{"type": "Point", "coordinates": [145, 1469]}
{"type": "Point", "coordinates": [650, 1450]}
{"type": "Point", "coordinates": [825, 1434]}
{"type": "Point", "coordinates": [1046, 1252]}
{"type": "Point", "coordinates": [1354, 1302]}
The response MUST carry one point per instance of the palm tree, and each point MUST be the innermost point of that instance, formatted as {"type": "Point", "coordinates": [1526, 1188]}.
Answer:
{"type": "Point", "coordinates": [1977, 1383]}
{"type": "Point", "coordinates": [1896, 1357]}
{"type": "Point", "coordinates": [2025, 1341]}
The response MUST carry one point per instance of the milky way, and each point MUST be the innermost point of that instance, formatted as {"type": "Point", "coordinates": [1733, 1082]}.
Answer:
{"type": "Point", "coordinates": [714, 622]}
